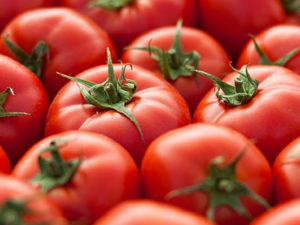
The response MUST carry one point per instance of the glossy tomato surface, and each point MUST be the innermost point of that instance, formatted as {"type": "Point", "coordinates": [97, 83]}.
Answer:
{"type": "Point", "coordinates": [106, 174]}
{"type": "Point", "coordinates": [271, 117]}
{"type": "Point", "coordinates": [148, 212]}
{"type": "Point", "coordinates": [135, 18]}
{"type": "Point", "coordinates": [156, 106]}
{"type": "Point", "coordinates": [181, 158]}
{"type": "Point", "coordinates": [4, 162]}
{"type": "Point", "coordinates": [75, 42]}
{"type": "Point", "coordinates": [19, 132]}
{"type": "Point", "coordinates": [213, 58]}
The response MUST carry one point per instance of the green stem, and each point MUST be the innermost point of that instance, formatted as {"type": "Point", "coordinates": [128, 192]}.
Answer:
{"type": "Point", "coordinates": [291, 6]}
{"type": "Point", "coordinates": [111, 4]}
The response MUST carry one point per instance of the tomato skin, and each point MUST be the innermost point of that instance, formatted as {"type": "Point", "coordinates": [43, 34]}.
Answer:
{"type": "Point", "coordinates": [271, 117]}
{"type": "Point", "coordinates": [156, 105]}
{"type": "Point", "coordinates": [213, 58]}
{"type": "Point", "coordinates": [148, 212]}
{"type": "Point", "coordinates": [17, 133]}
{"type": "Point", "coordinates": [276, 42]}
{"type": "Point", "coordinates": [125, 24]}
{"type": "Point", "coordinates": [97, 185]}
{"type": "Point", "coordinates": [4, 162]}
{"type": "Point", "coordinates": [41, 206]}
{"type": "Point", "coordinates": [230, 21]}
{"type": "Point", "coordinates": [285, 172]}
{"type": "Point", "coordinates": [286, 213]}
{"type": "Point", "coordinates": [75, 44]}
{"type": "Point", "coordinates": [195, 146]}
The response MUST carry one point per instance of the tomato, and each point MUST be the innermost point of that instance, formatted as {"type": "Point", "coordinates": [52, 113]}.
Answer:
{"type": "Point", "coordinates": [269, 40]}
{"type": "Point", "coordinates": [186, 47]}
{"type": "Point", "coordinates": [269, 113]}
{"type": "Point", "coordinates": [148, 212]}
{"type": "Point", "coordinates": [230, 21]}
{"type": "Point", "coordinates": [4, 162]}
{"type": "Point", "coordinates": [75, 43]}
{"type": "Point", "coordinates": [285, 173]}
{"type": "Point", "coordinates": [124, 20]}
{"type": "Point", "coordinates": [22, 204]}
{"type": "Point", "coordinates": [286, 213]}
{"type": "Point", "coordinates": [209, 169]}
{"type": "Point", "coordinates": [10, 9]}
{"type": "Point", "coordinates": [23, 107]}
{"type": "Point", "coordinates": [86, 174]}
{"type": "Point", "coordinates": [149, 106]}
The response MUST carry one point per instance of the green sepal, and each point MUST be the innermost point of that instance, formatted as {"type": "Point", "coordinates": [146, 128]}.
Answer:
{"type": "Point", "coordinates": [173, 63]}
{"type": "Point", "coordinates": [291, 6]}
{"type": "Point", "coordinates": [3, 96]}
{"type": "Point", "coordinates": [110, 4]}
{"type": "Point", "coordinates": [244, 89]}
{"type": "Point", "coordinates": [54, 170]}
{"type": "Point", "coordinates": [33, 61]}
{"type": "Point", "coordinates": [222, 188]}
{"type": "Point", "coordinates": [264, 59]}
{"type": "Point", "coordinates": [111, 94]}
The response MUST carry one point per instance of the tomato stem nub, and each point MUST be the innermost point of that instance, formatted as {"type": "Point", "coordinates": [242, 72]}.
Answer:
{"type": "Point", "coordinates": [223, 188]}
{"type": "Point", "coordinates": [33, 61]}
{"type": "Point", "coordinates": [291, 6]}
{"type": "Point", "coordinates": [54, 171]}
{"type": "Point", "coordinates": [244, 89]}
{"type": "Point", "coordinates": [12, 212]}
{"type": "Point", "coordinates": [173, 62]}
{"type": "Point", "coordinates": [110, 4]}
{"type": "Point", "coordinates": [112, 93]}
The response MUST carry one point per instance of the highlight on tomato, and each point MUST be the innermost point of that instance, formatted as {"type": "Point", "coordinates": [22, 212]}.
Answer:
{"type": "Point", "coordinates": [48, 40]}
{"type": "Point", "coordinates": [174, 53]}
{"type": "Point", "coordinates": [212, 170]}
{"type": "Point", "coordinates": [132, 105]}
{"type": "Point", "coordinates": [5, 165]}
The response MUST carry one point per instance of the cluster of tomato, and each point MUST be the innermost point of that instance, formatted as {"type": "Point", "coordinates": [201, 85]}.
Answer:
{"type": "Point", "coordinates": [123, 112]}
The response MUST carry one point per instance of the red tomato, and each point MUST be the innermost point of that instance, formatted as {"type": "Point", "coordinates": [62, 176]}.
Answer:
{"type": "Point", "coordinates": [22, 204]}
{"type": "Point", "coordinates": [230, 21]}
{"type": "Point", "coordinates": [99, 174]}
{"type": "Point", "coordinates": [211, 57]}
{"type": "Point", "coordinates": [10, 9]}
{"type": "Point", "coordinates": [21, 93]}
{"type": "Point", "coordinates": [271, 116]}
{"type": "Point", "coordinates": [189, 158]}
{"type": "Point", "coordinates": [286, 213]}
{"type": "Point", "coordinates": [156, 106]}
{"type": "Point", "coordinates": [285, 171]}
{"type": "Point", "coordinates": [134, 17]}
{"type": "Point", "coordinates": [4, 162]}
{"type": "Point", "coordinates": [148, 212]}
{"type": "Point", "coordinates": [75, 42]}
{"type": "Point", "coordinates": [275, 42]}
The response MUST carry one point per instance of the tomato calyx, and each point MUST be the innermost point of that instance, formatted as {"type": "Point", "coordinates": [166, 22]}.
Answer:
{"type": "Point", "coordinates": [3, 96]}
{"type": "Point", "coordinates": [54, 171]}
{"type": "Point", "coordinates": [112, 93]}
{"type": "Point", "coordinates": [111, 4]}
{"type": "Point", "coordinates": [264, 59]}
{"type": "Point", "coordinates": [174, 62]}
{"type": "Point", "coordinates": [291, 6]}
{"type": "Point", "coordinates": [33, 61]}
{"type": "Point", "coordinates": [244, 89]}
{"type": "Point", "coordinates": [222, 188]}
{"type": "Point", "coordinates": [12, 212]}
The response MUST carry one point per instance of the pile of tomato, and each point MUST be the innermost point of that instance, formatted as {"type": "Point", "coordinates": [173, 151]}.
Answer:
{"type": "Point", "coordinates": [148, 112]}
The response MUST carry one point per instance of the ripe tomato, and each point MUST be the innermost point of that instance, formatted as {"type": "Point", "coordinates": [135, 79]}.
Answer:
{"type": "Point", "coordinates": [150, 106]}
{"type": "Point", "coordinates": [203, 164]}
{"type": "Point", "coordinates": [286, 213]}
{"type": "Point", "coordinates": [230, 21]}
{"type": "Point", "coordinates": [124, 20]}
{"type": "Point", "coordinates": [23, 107]}
{"type": "Point", "coordinates": [269, 113]}
{"type": "Point", "coordinates": [181, 48]}
{"type": "Point", "coordinates": [148, 212]}
{"type": "Point", "coordinates": [285, 36]}
{"type": "Point", "coordinates": [75, 43]}
{"type": "Point", "coordinates": [22, 204]}
{"type": "Point", "coordinates": [5, 166]}
{"type": "Point", "coordinates": [285, 172]}
{"type": "Point", "coordinates": [84, 173]}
